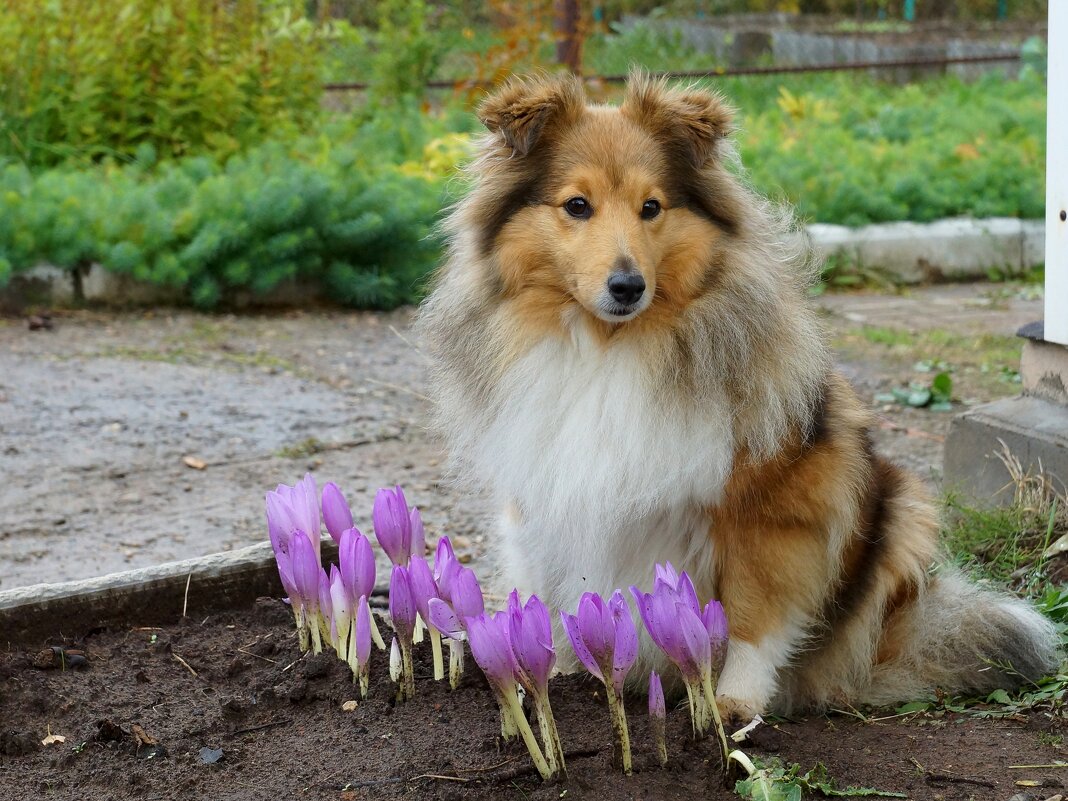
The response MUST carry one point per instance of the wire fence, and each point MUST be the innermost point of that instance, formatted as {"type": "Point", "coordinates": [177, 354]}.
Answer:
{"type": "Point", "coordinates": [724, 72]}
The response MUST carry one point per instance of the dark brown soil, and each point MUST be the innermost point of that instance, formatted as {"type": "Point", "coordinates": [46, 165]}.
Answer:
{"type": "Point", "coordinates": [137, 718]}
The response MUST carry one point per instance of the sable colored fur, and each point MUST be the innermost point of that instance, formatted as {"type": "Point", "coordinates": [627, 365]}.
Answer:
{"type": "Point", "coordinates": [700, 423]}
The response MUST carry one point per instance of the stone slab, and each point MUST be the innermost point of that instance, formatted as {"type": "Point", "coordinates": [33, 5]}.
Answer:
{"type": "Point", "coordinates": [41, 613]}
{"type": "Point", "coordinates": [1034, 430]}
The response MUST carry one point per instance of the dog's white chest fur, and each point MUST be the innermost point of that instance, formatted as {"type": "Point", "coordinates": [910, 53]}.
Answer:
{"type": "Point", "coordinates": [602, 468]}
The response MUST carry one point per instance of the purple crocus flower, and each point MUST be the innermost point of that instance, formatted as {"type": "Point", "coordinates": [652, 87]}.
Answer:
{"type": "Point", "coordinates": [694, 639]}
{"type": "Point", "coordinates": [531, 637]}
{"type": "Point", "coordinates": [425, 589]}
{"type": "Point", "coordinates": [402, 608]}
{"type": "Point", "coordinates": [402, 612]}
{"type": "Point", "coordinates": [393, 525]}
{"type": "Point", "coordinates": [418, 533]}
{"type": "Point", "coordinates": [356, 559]}
{"type": "Point", "coordinates": [304, 564]}
{"type": "Point", "coordinates": [491, 648]}
{"type": "Point", "coordinates": [603, 637]}
{"type": "Point", "coordinates": [360, 644]}
{"type": "Point", "coordinates": [530, 634]}
{"type": "Point", "coordinates": [290, 509]}
{"type": "Point", "coordinates": [658, 717]}
{"type": "Point", "coordinates": [336, 512]}
{"type": "Point", "coordinates": [605, 641]}
{"type": "Point", "coordinates": [446, 566]}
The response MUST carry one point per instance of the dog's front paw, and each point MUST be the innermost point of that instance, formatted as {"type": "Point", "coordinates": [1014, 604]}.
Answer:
{"type": "Point", "coordinates": [735, 712]}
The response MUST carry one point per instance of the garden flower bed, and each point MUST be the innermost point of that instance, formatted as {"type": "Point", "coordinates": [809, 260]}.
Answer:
{"type": "Point", "coordinates": [280, 720]}
{"type": "Point", "coordinates": [105, 692]}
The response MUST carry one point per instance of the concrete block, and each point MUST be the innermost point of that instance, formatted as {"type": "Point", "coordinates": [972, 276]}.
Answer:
{"type": "Point", "coordinates": [1034, 243]}
{"type": "Point", "coordinates": [1034, 430]}
{"type": "Point", "coordinates": [1044, 370]}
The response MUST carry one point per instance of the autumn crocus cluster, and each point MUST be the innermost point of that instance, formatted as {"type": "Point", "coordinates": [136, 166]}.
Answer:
{"type": "Point", "coordinates": [329, 607]}
{"type": "Point", "coordinates": [692, 637]}
{"type": "Point", "coordinates": [604, 639]}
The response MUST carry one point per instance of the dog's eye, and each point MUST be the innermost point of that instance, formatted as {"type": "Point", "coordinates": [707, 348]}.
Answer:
{"type": "Point", "coordinates": [578, 207]}
{"type": "Point", "coordinates": [650, 209]}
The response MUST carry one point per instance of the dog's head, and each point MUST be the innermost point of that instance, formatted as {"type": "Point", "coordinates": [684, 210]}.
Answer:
{"type": "Point", "coordinates": [617, 209]}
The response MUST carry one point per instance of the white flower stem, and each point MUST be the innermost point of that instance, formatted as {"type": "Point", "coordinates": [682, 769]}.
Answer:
{"type": "Point", "coordinates": [619, 723]}
{"type": "Point", "coordinates": [456, 662]}
{"type": "Point", "coordinates": [302, 630]}
{"type": "Point", "coordinates": [435, 649]}
{"type": "Point", "coordinates": [710, 692]}
{"type": "Point", "coordinates": [316, 642]}
{"type": "Point", "coordinates": [550, 736]}
{"type": "Point", "coordinates": [510, 700]}
{"type": "Point", "coordinates": [658, 725]}
{"type": "Point", "coordinates": [350, 656]}
{"type": "Point", "coordinates": [406, 688]}
{"type": "Point", "coordinates": [417, 635]}
{"type": "Point", "coordinates": [376, 635]}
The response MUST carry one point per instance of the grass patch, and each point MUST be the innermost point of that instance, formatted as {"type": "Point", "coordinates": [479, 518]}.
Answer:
{"type": "Point", "coordinates": [303, 449]}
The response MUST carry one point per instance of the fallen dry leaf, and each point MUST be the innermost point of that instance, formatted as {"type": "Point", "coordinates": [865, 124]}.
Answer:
{"type": "Point", "coordinates": [194, 462]}
{"type": "Point", "coordinates": [53, 738]}
{"type": "Point", "coordinates": [348, 706]}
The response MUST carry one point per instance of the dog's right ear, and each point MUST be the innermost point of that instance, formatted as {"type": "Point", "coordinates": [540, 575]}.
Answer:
{"type": "Point", "coordinates": [524, 109]}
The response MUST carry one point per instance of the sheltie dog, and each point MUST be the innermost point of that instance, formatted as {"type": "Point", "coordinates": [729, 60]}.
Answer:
{"type": "Point", "coordinates": [626, 359]}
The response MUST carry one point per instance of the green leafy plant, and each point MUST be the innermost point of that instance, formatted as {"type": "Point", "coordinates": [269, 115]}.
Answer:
{"type": "Point", "coordinates": [937, 396]}
{"type": "Point", "coordinates": [85, 80]}
{"type": "Point", "coordinates": [772, 781]}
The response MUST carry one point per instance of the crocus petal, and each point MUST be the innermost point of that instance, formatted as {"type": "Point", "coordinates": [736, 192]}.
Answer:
{"type": "Point", "coordinates": [491, 650]}
{"type": "Point", "coordinates": [626, 640]}
{"type": "Point", "coordinates": [687, 593]}
{"type": "Point", "coordinates": [444, 619]}
{"type": "Point", "coordinates": [293, 508]}
{"type": "Point", "coordinates": [534, 653]}
{"type": "Point", "coordinates": [715, 620]}
{"type": "Point", "coordinates": [571, 627]}
{"type": "Point", "coordinates": [656, 696]}
{"type": "Point", "coordinates": [326, 605]}
{"type": "Point", "coordinates": [341, 604]}
{"type": "Point", "coordinates": [363, 631]}
{"type": "Point", "coordinates": [443, 555]}
{"type": "Point", "coordinates": [305, 566]}
{"type": "Point", "coordinates": [467, 598]}
{"type": "Point", "coordinates": [598, 632]}
{"type": "Point", "coordinates": [695, 644]}
{"type": "Point", "coordinates": [285, 573]}
{"type": "Point", "coordinates": [393, 525]}
{"type": "Point", "coordinates": [423, 586]}
{"type": "Point", "coordinates": [418, 533]}
{"type": "Point", "coordinates": [666, 572]}
{"type": "Point", "coordinates": [336, 512]}
{"type": "Point", "coordinates": [402, 609]}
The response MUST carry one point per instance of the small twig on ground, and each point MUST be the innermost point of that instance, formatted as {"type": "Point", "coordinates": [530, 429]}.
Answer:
{"type": "Point", "coordinates": [1037, 767]}
{"type": "Point", "coordinates": [264, 658]}
{"type": "Point", "coordinates": [439, 776]}
{"type": "Point", "coordinates": [187, 665]}
{"type": "Point", "coordinates": [185, 601]}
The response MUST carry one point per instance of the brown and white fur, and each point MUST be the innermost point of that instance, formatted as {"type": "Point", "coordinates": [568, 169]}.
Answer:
{"type": "Point", "coordinates": [702, 424]}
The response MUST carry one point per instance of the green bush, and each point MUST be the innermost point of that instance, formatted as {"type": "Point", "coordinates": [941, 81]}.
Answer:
{"type": "Point", "coordinates": [323, 209]}
{"type": "Point", "coordinates": [88, 78]}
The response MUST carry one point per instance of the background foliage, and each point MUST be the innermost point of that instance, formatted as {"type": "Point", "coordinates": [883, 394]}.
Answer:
{"type": "Point", "coordinates": [188, 143]}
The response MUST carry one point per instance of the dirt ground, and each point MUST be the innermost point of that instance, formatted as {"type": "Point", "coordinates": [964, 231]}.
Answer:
{"type": "Point", "coordinates": [102, 415]}
{"type": "Point", "coordinates": [226, 709]}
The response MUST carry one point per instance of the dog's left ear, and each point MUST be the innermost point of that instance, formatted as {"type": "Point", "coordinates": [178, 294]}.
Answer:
{"type": "Point", "coordinates": [690, 121]}
{"type": "Point", "coordinates": [525, 109]}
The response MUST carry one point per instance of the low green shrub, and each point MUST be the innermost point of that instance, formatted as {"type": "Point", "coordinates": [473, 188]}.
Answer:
{"type": "Point", "coordinates": [322, 209]}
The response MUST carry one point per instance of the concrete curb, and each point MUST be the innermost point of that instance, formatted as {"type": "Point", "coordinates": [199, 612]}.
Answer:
{"type": "Point", "coordinates": [952, 249]}
{"type": "Point", "coordinates": [905, 252]}
{"type": "Point", "coordinates": [41, 613]}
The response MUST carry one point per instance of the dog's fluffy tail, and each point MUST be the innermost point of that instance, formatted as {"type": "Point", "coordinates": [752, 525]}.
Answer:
{"type": "Point", "coordinates": [964, 639]}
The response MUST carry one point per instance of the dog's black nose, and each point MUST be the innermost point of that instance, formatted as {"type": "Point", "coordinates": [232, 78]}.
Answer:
{"type": "Point", "coordinates": [626, 287]}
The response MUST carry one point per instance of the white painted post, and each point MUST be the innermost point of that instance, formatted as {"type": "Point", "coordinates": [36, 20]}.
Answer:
{"type": "Point", "coordinates": [1056, 311]}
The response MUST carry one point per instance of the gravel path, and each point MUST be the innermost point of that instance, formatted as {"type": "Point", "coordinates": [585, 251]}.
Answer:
{"type": "Point", "coordinates": [106, 418]}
